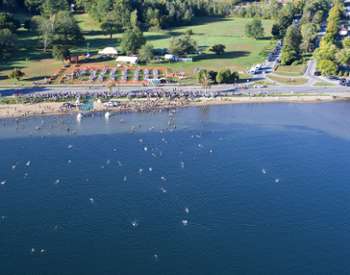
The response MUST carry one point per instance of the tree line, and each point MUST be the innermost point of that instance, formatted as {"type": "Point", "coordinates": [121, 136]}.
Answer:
{"type": "Point", "coordinates": [333, 55]}
{"type": "Point", "coordinates": [299, 26]}
{"type": "Point", "coordinates": [53, 20]}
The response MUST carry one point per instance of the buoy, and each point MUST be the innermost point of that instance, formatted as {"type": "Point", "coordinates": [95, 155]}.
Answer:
{"type": "Point", "coordinates": [79, 117]}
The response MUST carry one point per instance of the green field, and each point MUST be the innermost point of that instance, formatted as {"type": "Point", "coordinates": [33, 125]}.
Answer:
{"type": "Point", "coordinates": [288, 80]}
{"type": "Point", "coordinates": [324, 84]}
{"type": "Point", "coordinates": [241, 51]}
{"type": "Point", "coordinates": [291, 70]}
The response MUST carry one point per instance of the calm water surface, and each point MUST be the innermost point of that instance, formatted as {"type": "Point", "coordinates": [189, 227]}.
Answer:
{"type": "Point", "coordinates": [236, 189]}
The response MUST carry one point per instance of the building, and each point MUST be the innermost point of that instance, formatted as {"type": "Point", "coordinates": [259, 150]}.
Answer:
{"type": "Point", "coordinates": [127, 59]}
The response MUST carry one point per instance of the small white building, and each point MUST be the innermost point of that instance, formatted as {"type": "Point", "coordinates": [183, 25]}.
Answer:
{"type": "Point", "coordinates": [127, 59]}
{"type": "Point", "coordinates": [343, 31]}
{"type": "Point", "coordinates": [170, 57]}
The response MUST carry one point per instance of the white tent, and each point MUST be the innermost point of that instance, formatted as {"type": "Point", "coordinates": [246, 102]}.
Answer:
{"type": "Point", "coordinates": [127, 59]}
{"type": "Point", "coordinates": [108, 51]}
{"type": "Point", "coordinates": [170, 57]}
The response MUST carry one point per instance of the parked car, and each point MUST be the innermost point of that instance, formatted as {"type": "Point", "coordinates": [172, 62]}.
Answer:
{"type": "Point", "coordinates": [344, 82]}
{"type": "Point", "coordinates": [333, 77]}
{"type": "Point", "coordinates": [111, 104]}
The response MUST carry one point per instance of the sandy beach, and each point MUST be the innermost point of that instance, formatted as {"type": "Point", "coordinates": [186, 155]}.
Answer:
{"type": "Point", "coordinates": [139, 105]}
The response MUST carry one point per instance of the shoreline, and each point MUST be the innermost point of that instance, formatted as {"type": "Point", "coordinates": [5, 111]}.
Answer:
{"type": "Point", "coordinates": [149, 105]}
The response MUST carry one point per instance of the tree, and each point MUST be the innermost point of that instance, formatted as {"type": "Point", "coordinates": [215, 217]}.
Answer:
{"type": "Point", "coordinates": [204, 78]}
{"type": "Point", "coordinates": [146, 53]}
{"type": "Point", "coordinates": [346, 43]}
{"type": "Point", "coordinates": [132, 41]}
{"type": "Point", "coordinates": [293, 37]}
{"type": "Point", "coordinates": [134, 20]}
{"type": "Point", "coordinates": [153, 19]}
{"type": "Point", "coordinates": [7, 43]}
{"type": "Point", "coordinates": [255, 29]}
{"type": "Point", "coordinates": [58, 29]}
{"type": "Point", "coordinates": [182, 45]}
{"type": "Point", "coordinates": [309, 36]}
{"type": "Point", "coordinates": [16, 74]}
{"type": "Point", "coordinates": [343, 57]}
{"type": "Point", "coordinates": [46, 28]}
{"type": "Point", "coordinates": [51, 7]}
{"type": "Point", "coordinates": [66, 30]}
{"type": "Point", "coordinates": [123, 10]}
{"type": "Point", "coordinates": [334, 20]}
{"type": "Point", "coordinates": [326, 51]}
{"type": "Point", "coordinates": [218, 49]}
{"type": "Point", "coordinates": [291, 45]}
{"type": "Point", "coordinates": [288, 55]}
{"type": "Point", "coordinates": [227, 76]}
{"type": "Point", "coordinates": [111, 24]}
{"type": "Point", "coordinates": [33, 5]}
{"type": "Point", "coordinates": [276, 31]}
{"type": "Point", "coordinates": [7, 21]}
{"type": "Point", "coordinates": [60, 53]}
{"type": "Point", "coordinates": [327, 67]}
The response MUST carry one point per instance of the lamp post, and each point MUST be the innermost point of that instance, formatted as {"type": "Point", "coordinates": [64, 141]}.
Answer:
{"type": "Point", "coordinates": [87, 49]}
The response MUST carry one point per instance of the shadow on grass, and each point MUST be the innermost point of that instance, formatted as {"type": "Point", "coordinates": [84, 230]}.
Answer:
{"type": "Point", "coordinates": [226, 55]}
{"type": "Point", "coordinates": [10, 66]}
{"type": "Point", "coordinates": [100, 43]}
{"type": "Point", "coordinates": [265, 38]}
{"type": "Point", "coordinates": [94, 32]}
{"type": "Point", "coordinates": [95, 60]}
{"type": "Point", "coordinates": [207, 20]}
{"type": "Point", "coordinates": [160, 36]}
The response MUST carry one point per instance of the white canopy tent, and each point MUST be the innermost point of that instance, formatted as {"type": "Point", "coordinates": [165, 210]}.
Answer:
{"type": "Point", "coordinates": [109, 51]}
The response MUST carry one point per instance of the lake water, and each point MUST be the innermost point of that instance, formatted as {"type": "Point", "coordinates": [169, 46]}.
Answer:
{"type": "Point", "coordinates": [235, 189]}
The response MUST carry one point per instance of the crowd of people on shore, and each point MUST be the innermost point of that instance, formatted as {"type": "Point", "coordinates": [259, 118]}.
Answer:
{"type": "Point", "coordinates": [59, 95]}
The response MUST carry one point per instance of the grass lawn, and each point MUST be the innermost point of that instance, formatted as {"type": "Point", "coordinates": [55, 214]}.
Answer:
{"type": "Point", "coordinates": [324, 84]}
{"type": "Point", "coordinates": [288, 81]}
{"type": "Point", "coordinates": [292, 70]}
{"type": "Point", "coordinates": [241, 52]}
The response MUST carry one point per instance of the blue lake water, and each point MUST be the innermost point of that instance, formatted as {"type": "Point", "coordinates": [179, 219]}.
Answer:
{"type": "Point", "coordinates": [234, 189]}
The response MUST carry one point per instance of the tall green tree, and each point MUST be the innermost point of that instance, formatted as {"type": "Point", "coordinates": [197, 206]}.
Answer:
{"type": "Point", "coordinates": [33, 5]}
{"type": "Point", "coordinates": [255, 29]}
{"type": "Point", "coordinates": [132, 40]}
{"type": "Point", "coordinates": [327, 67]}
{"type": "Point", "coordinates": [66, 30]}
{"type": "Point", "coordinates": [60, 53]}
{"type": "Point", "coordinates": [291, 45]}
{"type": "Point", "coordinates": [146, 53]}
{"type": "Point", "coordinates": [182, 45]}
{"type": "Point", "coordinates": [16, 74]}
{"type": "Point", "coordinates": [218, 49]}
{"type": "Point", "coordinates": [7, 43]}
{"type": "Point", "coordinates": [111, 24]}
{"type": "Point", "coordinates": [7, 21]}
{"type": "Point", "coordinates": [46, 28]}
{"type": "Point", "coordinates": [343, 57]}
{"type": "Point", "coordinates": [309, 36]}
{"type": "Point", "coordinates": [51, 7]}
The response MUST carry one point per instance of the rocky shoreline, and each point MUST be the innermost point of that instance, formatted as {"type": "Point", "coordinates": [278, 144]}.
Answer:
{"type": "Point", "coordinates": [149, 105]}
